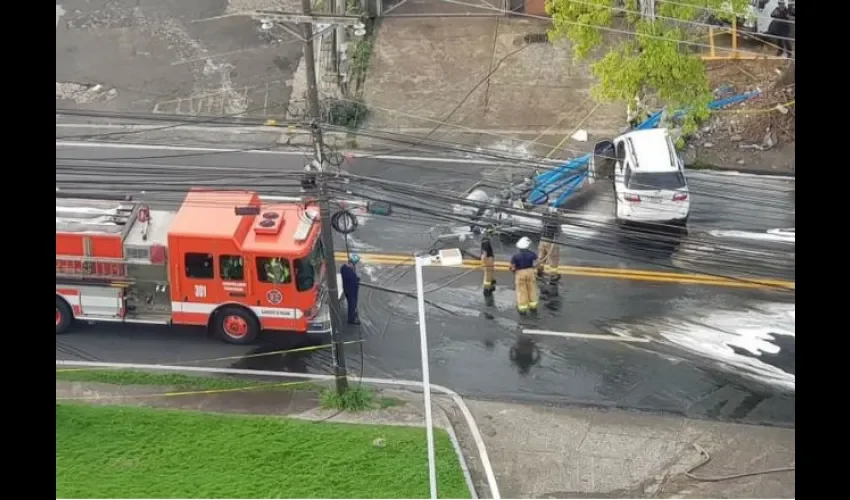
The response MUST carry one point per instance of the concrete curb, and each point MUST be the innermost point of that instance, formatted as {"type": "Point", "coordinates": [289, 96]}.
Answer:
{"type": "Point", "coordinates": [470, 420]}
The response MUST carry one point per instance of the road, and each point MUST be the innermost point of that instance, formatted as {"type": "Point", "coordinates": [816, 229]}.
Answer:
{"type": "Point", "coordinates": [718, 346]}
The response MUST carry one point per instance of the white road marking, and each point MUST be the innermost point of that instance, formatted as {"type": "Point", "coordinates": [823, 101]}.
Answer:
{"type": "Point", "coordinates": [587, 336]}
{"type": "Point", "coordinates": [780, 237]}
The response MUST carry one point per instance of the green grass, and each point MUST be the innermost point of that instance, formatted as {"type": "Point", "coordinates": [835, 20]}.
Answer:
{"type": "Point", "coordinates": [129, 452]}
{"type": "Point", "coordinates": [182, 382]}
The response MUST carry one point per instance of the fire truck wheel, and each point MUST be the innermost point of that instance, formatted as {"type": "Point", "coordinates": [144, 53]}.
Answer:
{"type": "Point", "coordinates": [236, 325]}
{"type": "Point", "coordinates": [64, 316]}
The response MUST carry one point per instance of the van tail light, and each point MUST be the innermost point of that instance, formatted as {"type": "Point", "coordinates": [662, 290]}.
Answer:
{"type": "Point", "coordinates": [632, 197]}
{"type": "Point", "coordinates": [680, 197]}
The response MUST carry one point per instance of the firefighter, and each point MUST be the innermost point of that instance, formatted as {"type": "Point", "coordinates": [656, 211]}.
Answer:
{"type": "Point", "coordinates": [523, 265]}
{"type": "Point", "coordinates": [549, 253]}
{"type": "Point", "coordinates": [488, 262]}
{"type": "Point", "coordinates": [351, 287]}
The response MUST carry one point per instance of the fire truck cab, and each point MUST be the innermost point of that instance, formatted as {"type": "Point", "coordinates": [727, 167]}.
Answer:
{"type": "Point", "coordinates": [224, 260]}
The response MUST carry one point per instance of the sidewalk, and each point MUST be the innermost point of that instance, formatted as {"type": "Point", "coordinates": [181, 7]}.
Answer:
{"type": "Point", "coordinates": [540, 452]}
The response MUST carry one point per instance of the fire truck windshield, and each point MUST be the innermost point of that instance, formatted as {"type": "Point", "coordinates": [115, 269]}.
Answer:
{"type": "Point", "coordinates": [308, 270]}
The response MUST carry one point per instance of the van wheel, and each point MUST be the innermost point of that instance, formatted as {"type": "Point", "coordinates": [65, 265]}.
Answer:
{"type": "Point", "coordinates": [64, 316]}
{"type": "Point", "coordinates": [235, 325]}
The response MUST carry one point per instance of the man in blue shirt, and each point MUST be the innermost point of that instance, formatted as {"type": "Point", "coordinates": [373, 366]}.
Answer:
{"type": "Point", "coordinates": [351, 287]}
{"type": "Point", "coordinates": [524, 267]}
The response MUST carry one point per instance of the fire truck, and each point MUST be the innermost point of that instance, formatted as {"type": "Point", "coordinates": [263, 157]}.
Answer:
{"type": "Point", "coordinates": [226, 260]}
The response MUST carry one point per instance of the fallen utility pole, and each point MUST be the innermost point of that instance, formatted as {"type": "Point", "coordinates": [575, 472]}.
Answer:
{"type": "Point", "coordinates": [337, 352]}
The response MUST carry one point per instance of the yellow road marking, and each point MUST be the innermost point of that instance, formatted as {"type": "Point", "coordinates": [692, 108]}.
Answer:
{"type": "Point", "coordinates": [602, 272]}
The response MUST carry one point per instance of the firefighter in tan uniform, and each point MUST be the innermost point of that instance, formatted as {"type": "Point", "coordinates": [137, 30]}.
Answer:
{"type": "Point", "coordinates": [523, 265]}
{"type": "Point", "coordinates": [488, 262]}
{"type": "Point", "coordinates": [548, 251]}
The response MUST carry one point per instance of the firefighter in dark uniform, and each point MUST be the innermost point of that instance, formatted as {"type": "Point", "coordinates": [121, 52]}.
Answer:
{"type": "Point", "coordinates": [488, 262]}
{"type": "Point", "coordinates": [351, 287]}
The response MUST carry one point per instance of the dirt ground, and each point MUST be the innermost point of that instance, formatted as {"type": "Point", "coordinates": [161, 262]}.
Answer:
{"type": "Point", "coordinates": [758, 134]}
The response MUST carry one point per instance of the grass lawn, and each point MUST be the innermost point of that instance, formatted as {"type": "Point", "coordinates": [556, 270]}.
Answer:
{"type": "Point", "coordinates": [129, 452]}
{"type": "Point", "coordinates": [182, 382]}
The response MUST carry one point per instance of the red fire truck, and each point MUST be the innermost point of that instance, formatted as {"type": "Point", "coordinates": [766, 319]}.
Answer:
{"type": "Point", "coordinates": [225, 260]}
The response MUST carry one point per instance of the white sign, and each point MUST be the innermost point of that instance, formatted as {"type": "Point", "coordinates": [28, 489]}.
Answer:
{"type": "Point", "coordinates": [200, 291]}
{"type": "Point", "coordinates": [268, 312]}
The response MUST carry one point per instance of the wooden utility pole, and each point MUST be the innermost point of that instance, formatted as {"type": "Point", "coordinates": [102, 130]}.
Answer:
{"type": "Point", "coordinates": [320, 165]}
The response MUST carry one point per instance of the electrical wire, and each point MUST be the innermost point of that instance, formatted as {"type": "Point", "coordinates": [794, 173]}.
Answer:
{"type": "Point", "coordinates": [495, 222]}
{"type": "Point", "coordinates": [454, 171]}
{"type": "Point", "coordinates": [594, 26]}
{"type": "Point", "coordinates": [172, 185]}
{"type": "Point", "coordinates": [727, 256]}
{"type": "Point", "coordinates": [713, 479]}
{"type": "Point", "coordinates": [196, 180]}
{"type": "Point", "coordinates": [156, 192]}
{"type": "Point", "coordinates": [623, 10]}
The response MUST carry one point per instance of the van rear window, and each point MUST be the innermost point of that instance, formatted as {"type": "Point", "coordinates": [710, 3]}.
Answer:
{"type": "Point", "coordinates": [656, 180]}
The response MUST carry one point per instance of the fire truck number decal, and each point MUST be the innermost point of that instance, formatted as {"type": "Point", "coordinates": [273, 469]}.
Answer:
{"type": "Point", "coordinates": [200, 291]}
{"type": "Point", "coordinates": [274, 296]}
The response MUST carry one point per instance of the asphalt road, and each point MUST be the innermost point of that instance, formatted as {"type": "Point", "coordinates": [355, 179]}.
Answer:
{"type": "Point", "coordinates": [708, 350]}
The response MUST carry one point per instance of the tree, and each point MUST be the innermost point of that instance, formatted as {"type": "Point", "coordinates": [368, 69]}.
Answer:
{"type": "Point", "coordinates": [657, 60]}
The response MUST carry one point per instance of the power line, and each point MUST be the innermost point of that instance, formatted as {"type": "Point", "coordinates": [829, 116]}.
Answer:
{"type": "Point", "coordinates": [495, 222]}
{"type": "Point", "coordinates": [585, 25]}
{"type": "Point", "coordinates": [155, 190]}
{"type": "Point", "coordinates": [173, 177]}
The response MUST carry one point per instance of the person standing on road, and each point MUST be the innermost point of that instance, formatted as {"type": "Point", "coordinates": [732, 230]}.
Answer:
{"type": "Point", "coordinates": [780, 27]}
{"type": "Point", "coordinates": [351, 287]}
{"type": "Point", "coordinates": [523, 264]}
{"type": "Point", "coordinates": [549, 253]}
{"type": "Point", "coordinates": [488, 262]}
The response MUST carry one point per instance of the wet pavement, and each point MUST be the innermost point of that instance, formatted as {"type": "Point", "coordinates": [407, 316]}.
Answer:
{"type": "Point", "coordinates": [695, 362]}
{"type": "Point", "coordinates": [479, 349]}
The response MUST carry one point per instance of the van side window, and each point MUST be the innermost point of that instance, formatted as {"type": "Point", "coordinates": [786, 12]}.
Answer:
{"type": "Point", "coordinates": [273, 270]}
{"type": "Point", "coordinates": [231, 267]}
{"type": "Point", "coordinates": [199, 266]}
{"type": "Point", "coordinates": [621, 151]}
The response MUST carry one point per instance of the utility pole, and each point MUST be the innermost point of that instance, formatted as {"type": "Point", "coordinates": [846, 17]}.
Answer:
{"type": "Point", "coordinates": [337, 351]}
{"type": "Point", "coordinates": [340, 7]}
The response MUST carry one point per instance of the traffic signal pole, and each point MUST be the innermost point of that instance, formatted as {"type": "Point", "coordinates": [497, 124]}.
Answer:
{"type": "Point", "coordinates": [332, 287]}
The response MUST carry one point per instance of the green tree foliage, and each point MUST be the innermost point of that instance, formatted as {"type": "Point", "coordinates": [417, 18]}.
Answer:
{"type": "Point", "coordinates": [659, 59]}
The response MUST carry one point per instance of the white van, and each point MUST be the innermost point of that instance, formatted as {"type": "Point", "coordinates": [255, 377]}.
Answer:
{"type": "Point", "coordinates": [649, 179]}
